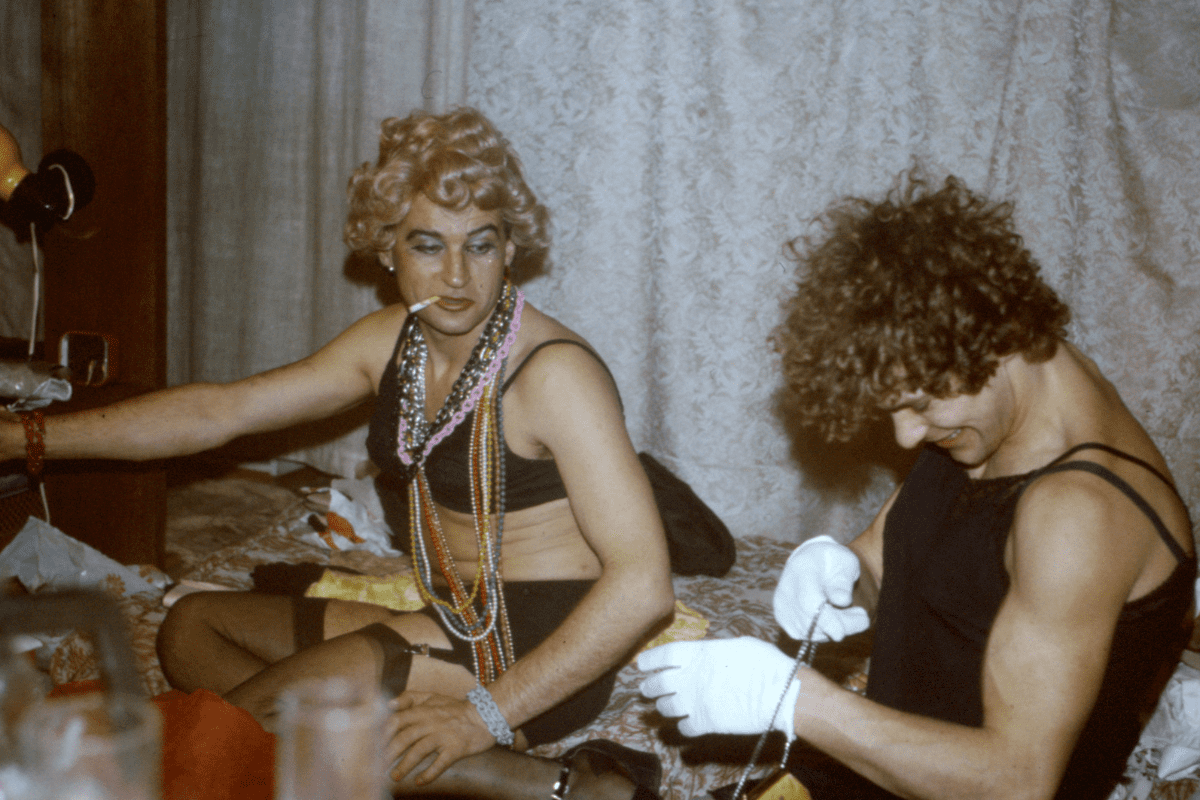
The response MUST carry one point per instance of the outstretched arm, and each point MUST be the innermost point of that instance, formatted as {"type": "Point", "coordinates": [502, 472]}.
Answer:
{"type": "Point", "coordinates": [195, 417]}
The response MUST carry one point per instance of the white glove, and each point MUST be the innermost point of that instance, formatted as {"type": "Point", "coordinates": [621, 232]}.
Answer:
{"type": "Point", "coordinates": [820, 571]}
{"type": "Point", "coordinates": [722, 685]}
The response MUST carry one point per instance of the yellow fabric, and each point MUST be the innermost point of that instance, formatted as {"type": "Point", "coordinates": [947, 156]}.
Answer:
{"type": "Point", "coordinates": [399, 593]}
{"type": "Point", "coordinates": [687, 626]}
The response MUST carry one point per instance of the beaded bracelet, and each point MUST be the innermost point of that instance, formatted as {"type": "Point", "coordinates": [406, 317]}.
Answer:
{"type": "Point", "coordinates": [35, 445]}
{"type": "Point", "coordinates": [497, 725]}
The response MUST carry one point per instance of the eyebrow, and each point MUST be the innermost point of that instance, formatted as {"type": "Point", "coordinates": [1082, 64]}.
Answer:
{"type": "Point", "coordinates": [888, 408]}
{"type": "Point", "coordinates": [416, 232]}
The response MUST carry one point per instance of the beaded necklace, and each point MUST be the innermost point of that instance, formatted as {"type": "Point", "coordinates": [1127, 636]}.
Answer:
{"type": "Point", "coordinates": [477, 616]}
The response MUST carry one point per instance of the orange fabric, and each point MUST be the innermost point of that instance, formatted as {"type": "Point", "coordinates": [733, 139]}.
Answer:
{"type": "Point", "coordinates": [211, 750]}
{"type": "Point", "coordinates": [75, 687]}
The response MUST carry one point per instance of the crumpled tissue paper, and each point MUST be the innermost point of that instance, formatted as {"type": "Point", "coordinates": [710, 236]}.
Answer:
{"type": "Point", "coordinates": [1174, 729]}
{"type": "Point", "coordinates": [43, 558]}
{"type": "Point", "coordinates": [367, 532]}
{"type": "Point", "coordinates": [34, 384]}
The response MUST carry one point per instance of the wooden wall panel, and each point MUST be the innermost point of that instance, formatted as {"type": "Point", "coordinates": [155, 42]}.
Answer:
{"type": "Point", "coordinates": [104, 96]}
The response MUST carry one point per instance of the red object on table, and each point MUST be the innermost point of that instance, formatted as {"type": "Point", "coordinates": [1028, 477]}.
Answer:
{"type": "Point", "coordinates": [211, 750]}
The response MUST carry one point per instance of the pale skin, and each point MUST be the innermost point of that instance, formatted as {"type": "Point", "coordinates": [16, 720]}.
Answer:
{"type": "Point", "coordinates": [562, 406]}
{"type": "Point", "coordinates": [1077, 552]}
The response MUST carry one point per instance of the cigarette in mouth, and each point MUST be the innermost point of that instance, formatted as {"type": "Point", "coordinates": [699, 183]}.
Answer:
{"type": "Point", "coordinates": [428, 301]}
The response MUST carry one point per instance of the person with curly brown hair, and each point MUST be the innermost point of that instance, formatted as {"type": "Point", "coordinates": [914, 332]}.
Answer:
{"type": "Point", "coordinates": [532, 527]}
{"type": "Point", "coordinates": [1029, 583]}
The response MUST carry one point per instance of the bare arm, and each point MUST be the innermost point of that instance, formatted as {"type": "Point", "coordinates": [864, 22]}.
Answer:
{"type": "Point", "coordinates": [614, 508]}
{"type": "Point", "coordinates": [568, 402]}
{"type": "Point", "coordinates": [1045, 659]}
{"type": "Point", "coordinates": [195, 417]}
{"type": "Point", "coordinates": [868, 546]}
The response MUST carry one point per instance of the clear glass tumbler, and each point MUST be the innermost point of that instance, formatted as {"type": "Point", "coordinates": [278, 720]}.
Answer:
{"type": "Point", "coordinates": [329, 742]}
{"type": "Point", "coordinates": [93, 747]}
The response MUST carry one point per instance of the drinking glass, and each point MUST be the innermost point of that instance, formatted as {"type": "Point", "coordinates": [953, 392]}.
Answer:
{"type": "Point", "coordinates": [93, 747]}
{"type": "Point", "coordinates": [329, 742]}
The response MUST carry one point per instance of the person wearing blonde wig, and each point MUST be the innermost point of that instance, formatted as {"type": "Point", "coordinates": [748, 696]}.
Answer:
{"type": "Point", "coordinates": [1029, 582]}
{"type": "Point", "coordinates": [506, 469]}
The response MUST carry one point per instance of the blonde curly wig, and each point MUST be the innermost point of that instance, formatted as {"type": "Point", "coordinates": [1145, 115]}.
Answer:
{"type": "Point", "coordinates": [455, 159]}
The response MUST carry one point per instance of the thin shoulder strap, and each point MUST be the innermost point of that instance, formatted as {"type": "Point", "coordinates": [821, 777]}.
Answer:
{"type": "Point", "coordinates": [1127, 490]}
{"type": "Point", "coordinates": [513, 375]}
{"type": "Point", "coordinates": [1120, 454]}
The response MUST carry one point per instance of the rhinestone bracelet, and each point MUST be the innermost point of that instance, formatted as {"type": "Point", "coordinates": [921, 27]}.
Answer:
{"type": "Point", "coordinates": [497, 725]}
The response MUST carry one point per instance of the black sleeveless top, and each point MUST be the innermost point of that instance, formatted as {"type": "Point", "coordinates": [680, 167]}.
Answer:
{"type": "Point", "coordinates": [944, 580]}
{"type": "Point", "coordinates": [528, 481]}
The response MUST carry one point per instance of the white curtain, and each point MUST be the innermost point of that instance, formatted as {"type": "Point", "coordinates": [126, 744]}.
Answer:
{"type": "Point", "coordinates": [21, 113]}
{"type": "Point", "coordinates": [680, 143]}
{"type": "Point", "coordinates": [271, 106]}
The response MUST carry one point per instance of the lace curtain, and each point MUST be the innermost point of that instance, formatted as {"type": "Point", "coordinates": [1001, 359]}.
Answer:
{"type": "Point", "coordinates": [679, 145]}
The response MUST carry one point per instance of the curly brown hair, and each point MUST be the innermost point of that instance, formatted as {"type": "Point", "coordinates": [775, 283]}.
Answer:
{"type": "Point", "coordinates": [924, 291]}
{"type": "Point", "coordinates": [455, 159]}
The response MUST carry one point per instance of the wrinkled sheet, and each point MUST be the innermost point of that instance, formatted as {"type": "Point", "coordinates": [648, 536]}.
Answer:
{"type": "Point", "coordinates": [737, 605]}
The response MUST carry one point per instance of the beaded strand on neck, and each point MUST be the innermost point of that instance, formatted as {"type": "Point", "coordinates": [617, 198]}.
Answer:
{"type": "Point", "coordinates": [415, 435]}
{"type": "Point", "coordinates": [478, 388]}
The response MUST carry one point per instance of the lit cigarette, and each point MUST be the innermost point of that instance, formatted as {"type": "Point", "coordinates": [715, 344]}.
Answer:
{"type": "Point", "coordinates": [428, 301]}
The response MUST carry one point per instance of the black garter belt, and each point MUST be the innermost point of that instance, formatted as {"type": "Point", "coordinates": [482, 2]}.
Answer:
{"type": "Point", "coordinates": [308, 629]}
{"type": "Point", "coordinates": [536, 609]}
{"type": "Point", "coordinates": [397, 656]}
{"type": "Point", "coordinates": [308, 621]}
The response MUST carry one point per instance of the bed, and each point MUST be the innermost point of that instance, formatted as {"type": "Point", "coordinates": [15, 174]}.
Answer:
{"type": "Point", "coordinates": [735, 605]}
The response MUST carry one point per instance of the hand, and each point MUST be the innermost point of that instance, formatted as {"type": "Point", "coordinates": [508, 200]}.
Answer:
{"type": "Point", "coordinates": [817, 572]}
{"type": "Point", "coordinates": [424, 724]}
{"type": "Point", "coordinates": [722, 685]}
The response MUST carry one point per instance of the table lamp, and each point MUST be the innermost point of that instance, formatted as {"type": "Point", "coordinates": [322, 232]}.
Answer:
{"type": "Point", "coordinates": [62, 185]}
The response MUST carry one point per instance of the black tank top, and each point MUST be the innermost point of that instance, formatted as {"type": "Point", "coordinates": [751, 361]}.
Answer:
{"type": "Point", "coordinates": [528, 481]}
{"type": "Point", "coordinates": [943, 583]}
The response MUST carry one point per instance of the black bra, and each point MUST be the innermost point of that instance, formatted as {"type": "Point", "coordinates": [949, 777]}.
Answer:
{"type": "Point", "coordinates": [528, 481]}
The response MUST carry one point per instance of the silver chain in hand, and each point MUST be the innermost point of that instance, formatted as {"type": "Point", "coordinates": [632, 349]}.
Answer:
{"type": "Point", "coordinates": [808, 650]}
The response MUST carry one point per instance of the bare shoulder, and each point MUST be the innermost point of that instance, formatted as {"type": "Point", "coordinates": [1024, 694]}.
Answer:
{"type": "Point", "coordinates": [383, 324]}
{"type": "Point", "coordinates": [1064, 558]}
{"type": "Point", "coordinates": [367, 344]}
{"type": "Point", "coordinates": [1077, 534]}
{"type": "Point", "coordinates": [559, 391]}
{"type": "Point", "coordinates": [552, 358]}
